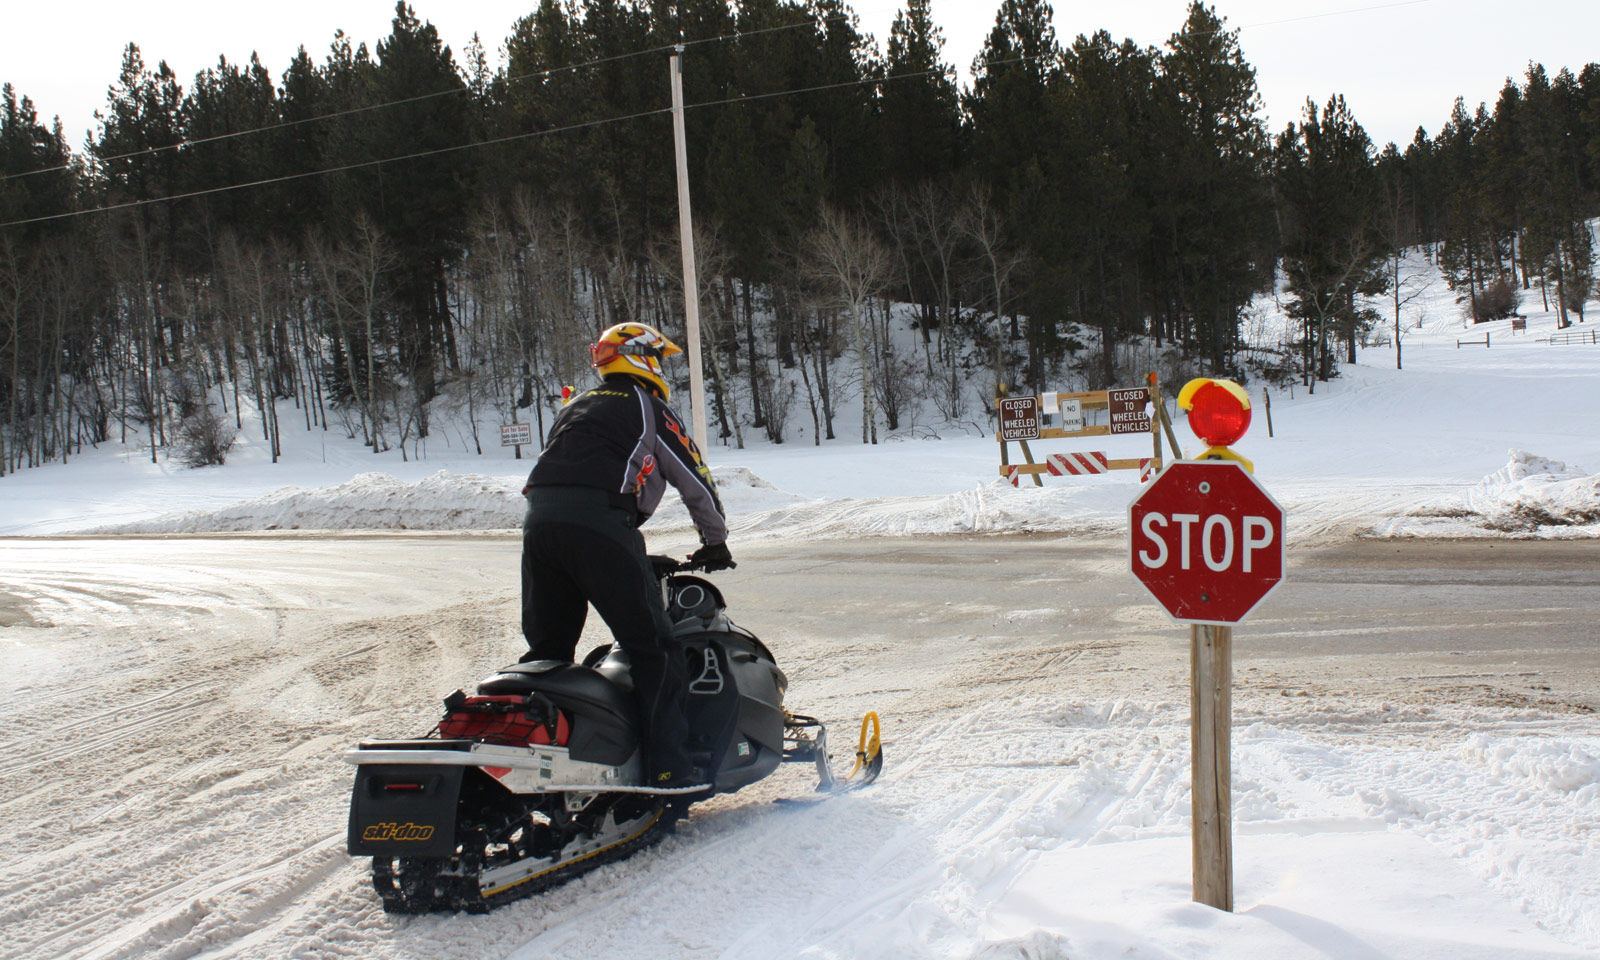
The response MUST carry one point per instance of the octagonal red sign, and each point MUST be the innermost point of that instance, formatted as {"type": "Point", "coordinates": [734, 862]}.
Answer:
{"type": "Point", "coordinates": [1206, 540]}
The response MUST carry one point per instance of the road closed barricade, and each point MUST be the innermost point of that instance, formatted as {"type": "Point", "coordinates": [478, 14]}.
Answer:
{"type": "Point", "coordinates": [1129, 410]}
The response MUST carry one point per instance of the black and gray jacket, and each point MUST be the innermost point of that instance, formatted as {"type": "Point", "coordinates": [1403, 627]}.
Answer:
{"type": "Point", "coordinates": [621, 437]}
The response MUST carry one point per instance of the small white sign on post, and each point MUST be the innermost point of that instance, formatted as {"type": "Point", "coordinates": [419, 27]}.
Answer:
{"type": "Point", "coordinates": [515, 434]}
{"type": "Point", "coordinates": [1072, 415]}
{"type": "Point", "coordinates": [1049, 402]}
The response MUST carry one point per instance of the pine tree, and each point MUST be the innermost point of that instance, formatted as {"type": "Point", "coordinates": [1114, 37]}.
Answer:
{"type": "Point", "coordinates": [226, 100]}
{"type": "Point", "coordinates": [27, 146]}
{"type": "Point", "coordinates": [1096, 202]}
{"type": "Point", "coordinates": [921, 120]}
{"type": "Point", "coordinates": [421, 205]}
{"type": "Point", "coordinates": [1558, 239]}
{"type": "Point", "coordinates": [136, 148]}
{"type": "Point", "coordinates": [1333, 248]}
{"type": "Point", "coordinates": [1007, 98]}
{"type": "Point", "coordinates": [41, 276]}
{"type": "Point", "coordinates": [1222, 215]}
{"type": "Point", "coordinates": [539, 91]}
{"type": "Point", "coordinates": [1466, 249]}
{"type": "Point", "coordinates": [1014, 137]}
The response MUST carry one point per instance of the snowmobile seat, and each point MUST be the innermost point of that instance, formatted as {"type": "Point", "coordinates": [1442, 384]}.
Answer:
{"type": "Point", "coordinates": [615, 667]}
{"type": "Point", "coordinates": [603, 716]}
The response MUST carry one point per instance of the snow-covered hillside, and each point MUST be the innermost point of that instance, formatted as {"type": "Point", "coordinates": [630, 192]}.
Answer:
{"type": "Point", "coordinates": [1452, 445]}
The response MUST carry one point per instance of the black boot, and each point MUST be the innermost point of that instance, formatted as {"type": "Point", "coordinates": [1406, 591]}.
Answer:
{"type": "Point", "coordinates": [677, 775]}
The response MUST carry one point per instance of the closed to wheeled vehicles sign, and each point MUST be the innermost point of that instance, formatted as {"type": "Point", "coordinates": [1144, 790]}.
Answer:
{"type": "Point", "coordinates": [1127, 409]}
{"type": "Point", "coordinates": [1019, 418]}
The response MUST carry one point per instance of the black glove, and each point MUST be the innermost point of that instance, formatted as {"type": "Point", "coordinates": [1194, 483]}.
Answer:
{"type": "Point", "coordinates": [712, 557]}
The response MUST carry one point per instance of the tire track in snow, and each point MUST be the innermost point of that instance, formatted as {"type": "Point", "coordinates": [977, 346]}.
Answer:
{"type": "Point", "coordinates": [166, 830]}
{"type": "Point", "coordinates": [173, 931]}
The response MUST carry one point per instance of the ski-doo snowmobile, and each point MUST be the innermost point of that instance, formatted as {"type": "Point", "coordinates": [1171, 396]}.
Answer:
{"type": "Point", "coordinates": [538, 777]}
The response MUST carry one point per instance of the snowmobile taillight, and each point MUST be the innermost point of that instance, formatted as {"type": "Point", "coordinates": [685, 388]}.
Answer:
{"type": "Point", "coordinates": [402, 786]}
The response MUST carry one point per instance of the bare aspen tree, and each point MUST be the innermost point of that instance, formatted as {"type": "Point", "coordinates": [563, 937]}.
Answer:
{"type": "Point", "coordinates": [847, 263]}
{"type": "Point", "coordinates": [552, 324]}
{"type": "Point", "coordinates": [985, 228]}
{"type": "Point", "coordinates": [718, 325]}
{"type": "Point", "coordinates": [367, 258]}
{"type": "Point", "coordinates": [792, 317]}
{"type": "Point", "coordinates": [68, 276]}
{"type": "Point", "coordinates": [12, 289]}
{"type": "Point", "coordinates": [249, 282]}
{"type": "Point", "coordinates": [938, 219]}
{"type": "Point", "coordinates": [1404, 288]}
{"type": "Point", "coordinates": [491, 286]}
{"type": "Point", "coordinates": [924, 226]}
{"type": "Point", "coordinates": [131, 261]}
{"type": "Point", "coordinates": [352, 275]}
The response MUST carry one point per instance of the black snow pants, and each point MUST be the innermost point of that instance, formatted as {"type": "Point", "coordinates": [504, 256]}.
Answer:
{"type": "Point", "coordinates": [580, 548]}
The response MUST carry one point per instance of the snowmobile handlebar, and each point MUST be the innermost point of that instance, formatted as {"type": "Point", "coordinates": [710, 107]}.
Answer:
{"type": "Point", "coordinates": [665, 566]}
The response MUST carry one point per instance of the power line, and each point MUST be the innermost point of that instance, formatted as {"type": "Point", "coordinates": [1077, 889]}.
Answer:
{"type": "Point", "coordinates": [745, 98]}
{"type": "Point", "coordinates": [736, 35]}
{"type": "Point", "coordinates": [345, 168]}
{"type": "Point", "coordinates": [287, 124]}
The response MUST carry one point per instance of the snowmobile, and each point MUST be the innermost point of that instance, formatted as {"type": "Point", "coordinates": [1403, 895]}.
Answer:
{"type": "Point", "coordinates": [538, 778]}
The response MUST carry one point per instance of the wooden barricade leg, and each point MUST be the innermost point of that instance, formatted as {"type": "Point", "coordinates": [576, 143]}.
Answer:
{"type": "Point", "coordinates": [1166, 424]}
{"type": "Point", "coordinates": [1028, 455]}
{"type": "Point", "coordinates": [1155, 421]}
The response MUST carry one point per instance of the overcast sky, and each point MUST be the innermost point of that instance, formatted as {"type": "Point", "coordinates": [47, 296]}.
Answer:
{"type": "Point", "coordinates": [1399, 64]}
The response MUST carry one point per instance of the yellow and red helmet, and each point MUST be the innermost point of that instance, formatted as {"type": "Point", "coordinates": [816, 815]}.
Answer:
{"type": "Point", "coordinates": [636, 349]}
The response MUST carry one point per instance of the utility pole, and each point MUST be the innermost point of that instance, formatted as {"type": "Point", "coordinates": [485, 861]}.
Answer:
{"type": "Point", "coordinates": [691, 281]}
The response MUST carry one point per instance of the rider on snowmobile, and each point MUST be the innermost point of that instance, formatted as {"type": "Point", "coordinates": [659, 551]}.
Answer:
{"type": "Point", "coordinates": [604, 467]}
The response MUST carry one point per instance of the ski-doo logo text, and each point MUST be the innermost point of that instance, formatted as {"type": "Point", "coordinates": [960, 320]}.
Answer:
{"type": "Point", "coordinates": [379, 832]}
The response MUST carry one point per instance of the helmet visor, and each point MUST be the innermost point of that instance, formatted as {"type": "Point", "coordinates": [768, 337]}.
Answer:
{"type": "Point", "coordinates": [603, 352]}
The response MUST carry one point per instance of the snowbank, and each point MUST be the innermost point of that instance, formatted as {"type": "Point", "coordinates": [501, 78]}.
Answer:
{"type": "Point", "coordinates": [1531, 491]}
{"type": "Point", "coordinates": [368, 501]}
{"type": "Point", "coordinates": [443, 501]}
{"type": "Point", "coordinates": [1530, 496]}
{"type": "Point", "coordinates": [1398, 840]}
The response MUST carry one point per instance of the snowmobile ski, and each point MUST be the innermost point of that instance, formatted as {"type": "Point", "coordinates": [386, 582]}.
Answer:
{"type": "Point", "coordinates": [806, 741]}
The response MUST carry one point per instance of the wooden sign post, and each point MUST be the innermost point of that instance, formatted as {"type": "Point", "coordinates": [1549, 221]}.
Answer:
{"type": "Point", "coordinates": [1210, 764]}
{"type": "Point", "coordinates": [1019, 421]}
{"type": "Point", "coordinates": [1206, 540]}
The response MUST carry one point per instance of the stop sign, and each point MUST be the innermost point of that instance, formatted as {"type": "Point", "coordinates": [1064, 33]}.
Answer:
{"type": "Point", "coordinates": [1206, 541]}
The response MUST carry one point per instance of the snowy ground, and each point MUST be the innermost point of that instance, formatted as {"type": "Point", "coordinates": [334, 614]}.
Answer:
{"type": "Point", "coordinates": [175, 707]}
{"type": "Point", "coordinates": [1412, 775]}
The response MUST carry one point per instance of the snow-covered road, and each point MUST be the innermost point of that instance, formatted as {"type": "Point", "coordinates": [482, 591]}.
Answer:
{"type": "Point", "coordinates": [1415, 768]}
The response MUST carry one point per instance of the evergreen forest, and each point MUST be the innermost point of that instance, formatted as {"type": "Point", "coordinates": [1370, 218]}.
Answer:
{"type": "Point", "coordinates": [382, 234]}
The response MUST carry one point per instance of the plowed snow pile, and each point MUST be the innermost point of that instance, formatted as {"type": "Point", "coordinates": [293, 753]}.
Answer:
{"type": "Point", "coordinates": [1531, 492]}
{"type": "Point", "coordinates": [1530, 496]}
{"type": "Point", "coordinates": [444, 501]}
